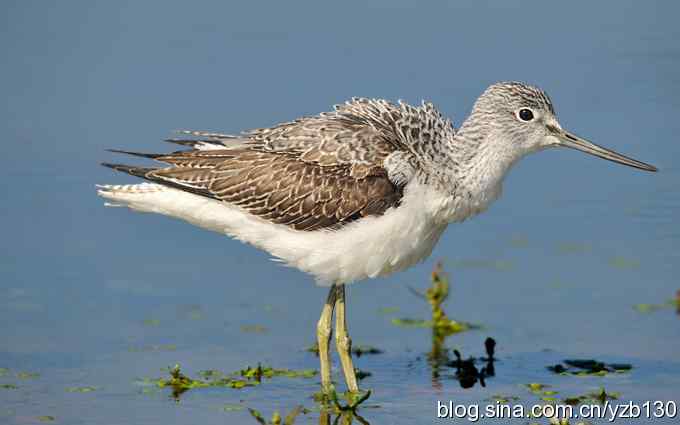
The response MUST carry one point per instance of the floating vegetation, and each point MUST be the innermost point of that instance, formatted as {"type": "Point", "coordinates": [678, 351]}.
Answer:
{"type": "Point", "coordinates": [588, 367]}
{"type": "Point", "coordinates": [86, 389]}
{"type": "Point", "coordinates": [151, 322]}
{"type": "Point", "coordinates": [536, 388]}
{"type": "Point", "coordinates": [267, 372]}
{"type": "Point", "coordinates": [46, 418]}
{"type": "Point", "coordinates": [541, 392]}
{"type": "Point", "coordinates": [388, 310]}
{"type": "Point", "coordinates": [153, 348]}
{"type": "Point", "coordinates": [4, 371]}
{"type": "Point", "coordinates": [624, 263]}
{"type": "Point", "coordinates": [8, 386]}
{"type": "Point", "coordinates": [649, 308]}
{"type": "Point", "coordinates": [502, 398]}
{"type": "Point", "coordinates": [27, 375]}
{"type": "Point", "coordinates": [600, 396]}
{"type": "Point", "coordinates": [254, 329]}
{"type": "Point", "coordinates": [181, 383]}
{"type": "Point", "coordinates": [360, 350]}
{"type": "Point", "coordinates": [276, 417]}
{"type": "Point", "coordinates": [412, 323]}
{"type": "Point", "coordinates": [361, 374]}
{"type": "Point", "coordinates": [314, 348]}
{"type": "Point", "coordinates": [248, 377]}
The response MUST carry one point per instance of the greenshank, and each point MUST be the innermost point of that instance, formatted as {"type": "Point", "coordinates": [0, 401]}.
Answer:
{"type": "Point", "coordinates": [363, 191]}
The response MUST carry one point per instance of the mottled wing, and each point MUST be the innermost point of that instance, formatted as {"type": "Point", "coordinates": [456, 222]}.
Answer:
{"type": "Point", "coordinates": [315, 173]}
{"type": "Point", "coordinates": [280, 187]}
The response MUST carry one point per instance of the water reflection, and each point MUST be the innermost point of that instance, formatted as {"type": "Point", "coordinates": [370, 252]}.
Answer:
{"type": "Point", "coordinates": [467, 371]}
{"type": "Point", "coordinates": [344, 418]}
{"type": "Point", "coordinates": [327, 416]}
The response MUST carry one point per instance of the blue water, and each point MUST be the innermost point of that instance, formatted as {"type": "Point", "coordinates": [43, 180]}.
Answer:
{"type": "Point", "coordinates": [552, 270]}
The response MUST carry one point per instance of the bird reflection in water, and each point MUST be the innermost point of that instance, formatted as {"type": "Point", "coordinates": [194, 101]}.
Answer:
{"type": "Point", "coordinates": [467, 372]}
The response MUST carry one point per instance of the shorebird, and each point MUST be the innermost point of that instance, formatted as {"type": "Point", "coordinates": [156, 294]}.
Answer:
{"type": "Point", "coordinates": [359, 192]}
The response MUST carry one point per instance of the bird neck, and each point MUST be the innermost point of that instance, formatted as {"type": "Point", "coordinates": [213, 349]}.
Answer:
{"type": "Point", "coordinates": [475, 163]}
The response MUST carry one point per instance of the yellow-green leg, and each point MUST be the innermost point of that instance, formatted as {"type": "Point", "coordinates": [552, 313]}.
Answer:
{"type": "Point", "coordinates": [323, 338]}
{"type": "Point", "coordinates": [342, 340]}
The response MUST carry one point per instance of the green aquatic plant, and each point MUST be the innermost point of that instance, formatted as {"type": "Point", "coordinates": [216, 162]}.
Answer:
{"type": "Point", "coordinates": [259, 372]}
{"type": "Point", "coordinates": [599, 396]}
{"type": "Point", "coordinates": [536, 388]}
{"type": "Point", "coordinates": [314, 348]}
{"type": "Point", "coordinates": [541, 392]}
{"type": "Point", "coordinates": [248, 377]}
{"type": "Point", "coordinates": [358, 351]}
{"type": "Point", "coordinates": [151, 322]}
{"type": "Point", "coordinates": [276, 417]}
{"type": "Point", "coordinates": [671, 303]}
{"type": "Point", "coordinates": [361, 374]}
{"type": "Point", "coordinates": [258, 329]}
{"type": "Point", "coordinates": [442, 327]}
{"type": "Point", "coordinates": [624, 263]}
{"type": "Point", "coordinates": [412, 323]}
{"type": "Point", "coordinates": [588, 367]}
{"type": "Point", "coordinates": [503, 398]}
{"type": "Point", "coordinates": [388, 310]}
{"type": "Point", "coordinates": [361, 350]}
{"type": "Point", "coordinates": [436, 295]}
{"type": "Point", "coordinates": [8, 386]}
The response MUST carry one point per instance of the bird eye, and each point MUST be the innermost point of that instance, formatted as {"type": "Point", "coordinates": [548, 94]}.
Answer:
{"type": "Point", "coordinates": [525, 114]}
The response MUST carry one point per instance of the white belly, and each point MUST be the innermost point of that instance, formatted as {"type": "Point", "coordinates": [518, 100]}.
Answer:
{"type": "Point", "coordinates": [369, 247]}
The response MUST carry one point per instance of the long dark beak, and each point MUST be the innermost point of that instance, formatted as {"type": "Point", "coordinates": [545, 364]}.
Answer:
{"type": "Point", "coordinates": [571, 141]}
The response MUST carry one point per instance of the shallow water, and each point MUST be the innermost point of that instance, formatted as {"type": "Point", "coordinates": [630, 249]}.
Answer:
{"type": "Point", "coordinates": [96, 297]}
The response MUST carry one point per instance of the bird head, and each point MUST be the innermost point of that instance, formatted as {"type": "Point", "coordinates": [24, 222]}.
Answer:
{"type": "Point", "coordinates": [521, 119]}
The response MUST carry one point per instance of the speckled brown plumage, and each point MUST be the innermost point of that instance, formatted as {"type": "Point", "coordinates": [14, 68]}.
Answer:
{"type": "Point", "coordinates": [312, 173]}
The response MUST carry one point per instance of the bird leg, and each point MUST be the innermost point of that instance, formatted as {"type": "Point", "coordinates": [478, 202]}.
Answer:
{"type": "Point", "coordinates": [342, 340]}
{"type": "Point", "coordinates": [323, 338]}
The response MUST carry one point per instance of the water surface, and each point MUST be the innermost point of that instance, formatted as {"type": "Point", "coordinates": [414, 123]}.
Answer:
{"type": "Point", "coordinates": [99, 297]}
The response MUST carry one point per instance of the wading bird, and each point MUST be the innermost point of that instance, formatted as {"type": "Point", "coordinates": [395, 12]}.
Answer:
{"type": "Point", "coordinates": [359, 192]}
